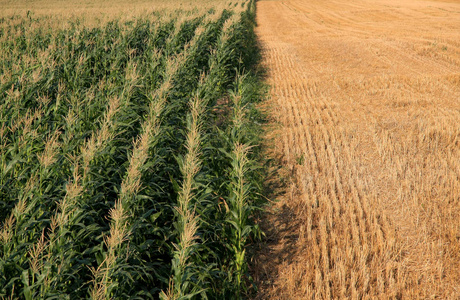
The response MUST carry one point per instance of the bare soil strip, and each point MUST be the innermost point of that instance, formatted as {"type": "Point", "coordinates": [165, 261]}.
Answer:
{"type": "Point", "coordinates": [367, 95]}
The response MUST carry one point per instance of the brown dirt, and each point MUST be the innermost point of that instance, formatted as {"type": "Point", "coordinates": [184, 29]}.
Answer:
{"type": "Point", "coordinates": [367, 98]}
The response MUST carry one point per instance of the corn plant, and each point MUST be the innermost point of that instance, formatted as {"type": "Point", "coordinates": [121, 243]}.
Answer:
{"type": "Point", "coordinates": [116, 180]}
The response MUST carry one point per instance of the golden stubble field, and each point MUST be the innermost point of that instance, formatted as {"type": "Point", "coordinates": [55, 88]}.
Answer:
{"type": "Point", "coordinates": [366, 95]}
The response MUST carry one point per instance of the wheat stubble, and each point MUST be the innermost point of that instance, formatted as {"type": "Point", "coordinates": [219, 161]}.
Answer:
{"type": "Point", "coordinates": [367, 97]}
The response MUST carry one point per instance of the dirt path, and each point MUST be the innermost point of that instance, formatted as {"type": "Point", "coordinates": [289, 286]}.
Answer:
{"type": "Point", "coordinates": [367, 94]}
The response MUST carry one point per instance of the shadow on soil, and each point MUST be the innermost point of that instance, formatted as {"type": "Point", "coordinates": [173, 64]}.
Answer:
{"type": "Point", "coordinates": [280, 226]}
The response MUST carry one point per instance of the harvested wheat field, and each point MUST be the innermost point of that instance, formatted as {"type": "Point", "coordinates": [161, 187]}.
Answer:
{"type": "Point", "coordinates": [366, 95]}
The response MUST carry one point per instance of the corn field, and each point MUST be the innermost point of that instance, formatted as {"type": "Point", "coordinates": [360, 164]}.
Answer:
{"type": "Point", "coordinates": [128, 155]}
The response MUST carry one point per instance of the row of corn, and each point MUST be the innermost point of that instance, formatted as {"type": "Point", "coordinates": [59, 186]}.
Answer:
{"type": "Point", "coordinates": [128, 158]}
